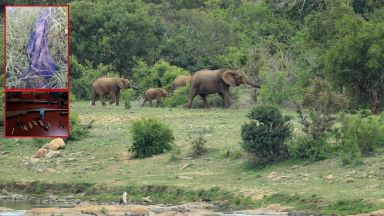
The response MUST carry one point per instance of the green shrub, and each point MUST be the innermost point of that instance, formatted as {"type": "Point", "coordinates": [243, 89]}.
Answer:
{"type": "Point", "coordinates": [175, 153]}
{"type": "Point", "coordinates": [178, 98]}
{"type": "Point", "coordinates": [160, 74]}
{"type": "Point", "coordinates": [360, 134]}
{"type": "Point", "coordinates": [77, 130]}
{"type": "Point", "coordinates": [72, 97]}
{"type": "Point", "coordinates": [264, 137]}
{"type": "Point", "coordinates": [306, 147]}
{"type": "Point", "coordinates": [198, 143]}
{"type": "Point", "coordinates": [127, 97]}
{"type": "Point", "coordinates": [150, 137]}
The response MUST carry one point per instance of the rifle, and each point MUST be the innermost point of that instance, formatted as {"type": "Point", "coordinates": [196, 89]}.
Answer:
{"type": "Point", "coordinates": [23, 112]}
{"type": "Point", "coordinates": [31, 101]}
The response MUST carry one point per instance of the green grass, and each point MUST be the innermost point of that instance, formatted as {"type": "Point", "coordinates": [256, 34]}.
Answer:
{"type": "Point", "coordinates": [20, 23]}
{"type": "Point", "coordinates": [102, 160]}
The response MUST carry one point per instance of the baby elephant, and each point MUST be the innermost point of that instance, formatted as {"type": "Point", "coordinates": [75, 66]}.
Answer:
{"type": "Point", "coordinates": [155, 93]}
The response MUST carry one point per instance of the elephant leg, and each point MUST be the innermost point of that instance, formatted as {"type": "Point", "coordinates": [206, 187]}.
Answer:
{"type": "Point", "coordinates": [117, 98]}
{"type": "Point", "coordinates": [204, 98]}
{"type": "Point", "coordinates": [161, 102]}
{"type": "Point", "coordinates": [192, 94]}
{"type": "Point", "coordinates": [222, 96]}
{"type": "Point", "coordinates": [150, 103]}
{"type": "Point", "coordinates": [226, 99]}
{"type": "Point", "coordinates": [102, 100]}
{"type": "Point", "coordinates": [113, 99]}
{"type": "Point", "coordinates": [145, 100]}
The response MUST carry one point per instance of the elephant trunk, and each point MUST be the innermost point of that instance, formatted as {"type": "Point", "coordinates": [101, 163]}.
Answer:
{"type": "Point", "coordinates": [134, 87]}
{"type": "Point", "coordinates": [249, 83]}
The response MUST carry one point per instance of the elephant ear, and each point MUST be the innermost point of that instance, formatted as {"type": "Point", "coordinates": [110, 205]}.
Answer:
{"type": "Point", "coordinates": [120, 83]}
{"type": "Point", "coordinates": [227, 76]}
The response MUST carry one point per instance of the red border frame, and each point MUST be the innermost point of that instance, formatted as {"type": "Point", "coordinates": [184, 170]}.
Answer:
{"type": "Point", "coordinates": [38, 89]}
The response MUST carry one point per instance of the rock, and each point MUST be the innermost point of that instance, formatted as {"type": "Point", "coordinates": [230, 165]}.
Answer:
{"type": "Point", "coordinates": [41, 153]}
{"type": "Point", "coordinates": [257, 197]}
{"type": "Point", "coordinates": [34, 160]}
{"type": "Point", "coordinates": [16, 197]}
{"type": "Point", "coordinates": [349, 180]}
{"type": "Point", "coordinates": [272, 175]}
{"type": "Point", "coordinates": [185, 166]}
{"type": "Point", "coordinates": [3, 209]}
{"type": "Point", "coordinates": [375, 213]}
{"type": "Point", "coordinates": [56, 144]}
{"type": "Point", "coordinates": [329, 178]}
{"type": "Point", "coordinates": [52, 154]}
{"type": "Point", "coordinates": [146, 199]}
{"type": "Point", "coordinates": [50, 170]}
{"type": "Point", "coordinates": [278, 207]}
{"type": "Point", "coordinates": [185, 177]}
{"type": "Point", "coordinates": [90, 210]}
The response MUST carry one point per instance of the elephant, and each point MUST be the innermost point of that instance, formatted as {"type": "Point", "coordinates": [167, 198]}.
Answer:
{"type": "Point", "coordinates": [219, 81]}
{"type": "Point", "coordinates": [155, 93]}
{"type": "Point", "coordinates": [109, 86]}
{"type": "Point", "coordinates": [180, 80]}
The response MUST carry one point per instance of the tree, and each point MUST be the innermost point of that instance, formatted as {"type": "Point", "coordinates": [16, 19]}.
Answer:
{"type": "Point", "coordinates": [113, 33]}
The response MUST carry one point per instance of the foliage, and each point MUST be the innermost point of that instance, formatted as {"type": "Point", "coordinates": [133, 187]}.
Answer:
{"type": "Point", "coordinates": [321, 103]}
{"type": "Point", "coordinates": [360, 134]}
{"type": "Point", "coordinates": [150, 137]}
{"type": "Point", "coordinates": [82, 77]}
{"type": "Point", "coordinates": [178, 98]}
{"type": "Point", "coordinates": [126, 97]}
{"type": "Point", "coordinates": [198, 142]}
{"type": "Point", "coordinates": [77, 130]}
{"type": "Point", "coordinates": [304, 146]}
{"type": "Point", "coordinates": [72, 97]}
{"type": "Point", "coordinates": [351, 50]}
{"type": "Point", "coordinates": [160, 74]}
{"type": "Point", "coordinates": [113, 33]}
{"type": "Point", "coordinates": [276, 87]}
{"type": "Point", "coordinates": [265, 136]}
{"type": "Point", "coordinates": [175, 153]}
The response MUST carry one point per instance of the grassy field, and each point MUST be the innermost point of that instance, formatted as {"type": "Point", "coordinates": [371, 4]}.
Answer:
{"type": "Point", "coordinates": [103, 159]}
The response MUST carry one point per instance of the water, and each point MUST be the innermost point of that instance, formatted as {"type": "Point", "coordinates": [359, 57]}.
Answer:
{"type": "Point", "coordinates": [20, 206]}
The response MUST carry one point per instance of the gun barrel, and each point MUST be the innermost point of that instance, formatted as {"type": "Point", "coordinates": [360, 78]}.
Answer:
{"type": "Point", "coordinates": [23, 112]}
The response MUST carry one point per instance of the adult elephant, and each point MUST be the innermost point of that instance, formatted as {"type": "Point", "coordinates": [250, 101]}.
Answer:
{"type": "Point", "coordinates": [219, 81]}
{"type": "Point", "coordinates": [109, 86]}
{"type": "Point", "coordinates": [180, 80]}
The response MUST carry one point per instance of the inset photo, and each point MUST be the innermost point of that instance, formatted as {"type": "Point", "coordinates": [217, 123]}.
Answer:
{"type": "Point", "coordinates": [36, 43]}
{"type": "Point", "coordinates": [36, 114]}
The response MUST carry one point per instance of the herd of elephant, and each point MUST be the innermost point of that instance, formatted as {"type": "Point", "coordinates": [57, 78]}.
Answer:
{"type": "Point", "coordinates": [203, 83]}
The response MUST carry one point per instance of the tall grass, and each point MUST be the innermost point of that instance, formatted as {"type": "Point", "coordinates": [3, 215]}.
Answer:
{"type": "Point", "coordinates": [20, 22]}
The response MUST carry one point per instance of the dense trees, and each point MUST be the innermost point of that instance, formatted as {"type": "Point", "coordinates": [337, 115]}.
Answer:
{"type": "Point", "coordinates": [283, 43]}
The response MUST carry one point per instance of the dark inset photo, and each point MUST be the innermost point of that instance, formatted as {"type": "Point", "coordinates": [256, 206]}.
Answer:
{"type": "Point", "coordinates": [36, 47]}
{"type": "Point", "coordinates": [36, 114]}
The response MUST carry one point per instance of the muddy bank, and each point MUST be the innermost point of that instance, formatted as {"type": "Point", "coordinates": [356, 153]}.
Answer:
{"type": "Point", "coordinates": [186, 209]}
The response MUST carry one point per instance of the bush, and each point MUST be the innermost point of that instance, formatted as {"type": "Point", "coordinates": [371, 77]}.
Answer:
{"type": "Point", "coordinates": [178, 98]}
{"type": "Point", "coordinates": [305, 147]}
{"type": "Point", "coordinates": [175, 153]}
{"type": "Point", "coordinates": [150, 137]}
{"type": "Point", "coordinates": [72, 97]}
{"type": "Point", "coordinates": [127, 97]}
{"type": "Point", "coordinates": [265, 135]}
{"type": "Point", "coordinates": [360, 134]}
{"type": "Point", "coordinates": [161, 74]}
{"type": "Point", "coordinates": [77, 130]}
{"type": "Point", "coordinates": [198, 143]}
